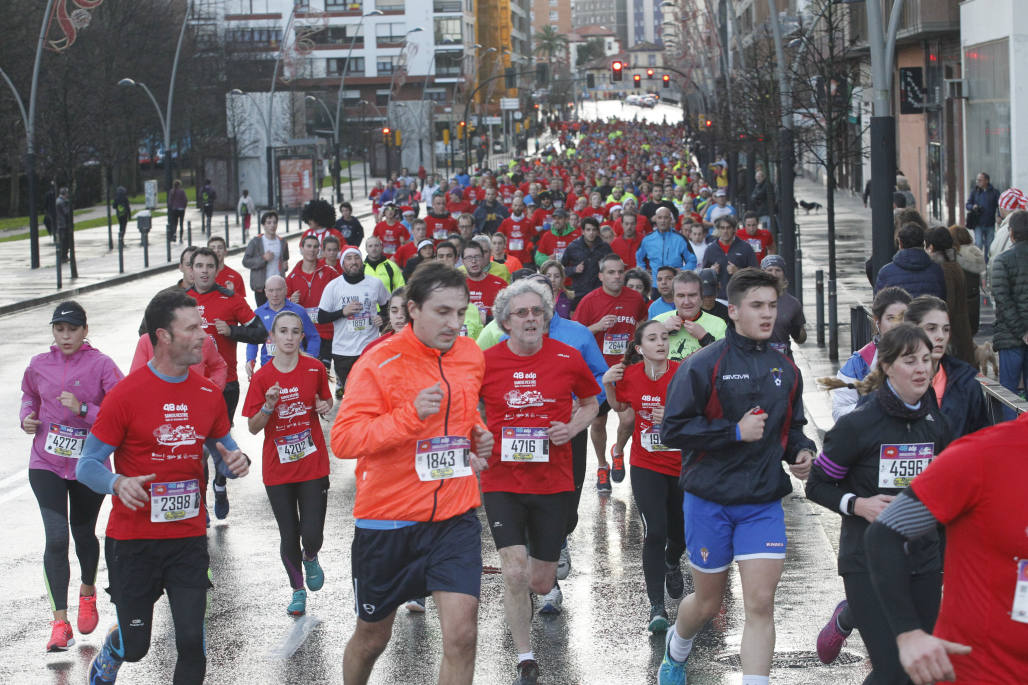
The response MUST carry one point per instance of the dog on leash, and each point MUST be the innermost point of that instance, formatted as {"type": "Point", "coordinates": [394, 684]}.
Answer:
{"type": "Point", "coordinates": [984, 357]}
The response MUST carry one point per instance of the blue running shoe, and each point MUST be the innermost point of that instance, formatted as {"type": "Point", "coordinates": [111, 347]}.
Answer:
{"type": "Point", "coordinates": [298, 607]}
{"type": "Point", "coordinates": [315, 576]}
{"type": "Point", "coordinates": [220, 501]}
{"type": "Point", "coordinates": [103, 669]}
{"type": "Point", "coordinates": [658, 620]}
{"type": "Point", "coordinates": [552, 601]}
{"type": "Point", "coordinates": [671, 672]}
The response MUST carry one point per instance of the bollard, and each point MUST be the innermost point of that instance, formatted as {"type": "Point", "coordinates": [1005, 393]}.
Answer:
{"type": "Point", "coordinates": [189, 232]}
{"type": "Point", "coordinates": [226, 230]}
{"type": "Point", "coordinates": [799, 271]}
{"type": "Point", "coordinates": [121, 253]}
{"type": "Point", "coordinates": [146, 249]}
{"type": "Point", "coordinates": [819, 279]}
{"type": "Point", "coordinates": [287, 222]}
{"type": "Point", "coordinates": [833, 323]}
{"type": "Point", "coordinates": [167, 244]}
{"type": "Point", "coordinates": [242, 232]}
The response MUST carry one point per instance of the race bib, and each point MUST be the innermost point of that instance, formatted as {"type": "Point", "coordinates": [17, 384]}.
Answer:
{"type": "Point", "coordinates": [899, 464]}
{"type": "Point", "coordinates": [270, 349]}
{"type": "Point", "coordinates": [446, 456]}
{"type": "Point", "coordinates": [65, 441]}
{"type": "Point", "coordinates": [755, 244]}
{"type": "Point", "coordinates": [174, 501]}
{"type": "Point", "coordinates": [524, 445]}
{"type": "Point", "coordinates": [516, 244]}
{"type": "Point", "coordinates": [389, 249]}
{"type": "Point", "coordinates": [651, 440]}
{"type": "Point", "coordinates": [439, 234]}
{"type": "Point", "coordinates": [295, 447]}
{"type": "Point", "coordinates": [558, 253]}
{"type": "Point", "coordinates": [615, 343]}
{"type": "Point", "coordinates": [312, 314]}
{"type": "Point", "coordinates": [1019, 612]}
{"type": "Point", "coordinates": [361, 323]}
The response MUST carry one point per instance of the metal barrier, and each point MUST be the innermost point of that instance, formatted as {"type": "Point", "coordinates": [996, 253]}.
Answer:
{"type": "Point", "coordinates": [999, 398]}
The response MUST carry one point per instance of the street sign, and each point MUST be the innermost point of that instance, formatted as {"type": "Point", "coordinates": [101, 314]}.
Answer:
{"type": "Point", "coordinates": [509, 103]}
{"type": "Point", "coordinates": [490, 121]}
{"type": "Point", "coordinates": [518, 114]}
{"type": "Point", "coordinates": [150, 191]}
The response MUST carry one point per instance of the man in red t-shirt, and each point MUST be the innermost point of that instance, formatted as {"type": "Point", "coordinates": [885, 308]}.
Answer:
{"type": "Point", "coordinates": [305, 284]}
{"type": "Point", "coordinates": [529, 388]}
{"type": "Point", "coordinates": [976, 489]}
{"type": "Point", "coordinates": [482, 285]}
{"type": "Point", "coordinates": [227, 276]}
{"type": "Point", "coordinates": [520, 231]}
{"type": "Point", "coordinates": [457, 205]}
{"type": "Point", "coordinates": [556, 238]}
{"type": "Point", "coordinates": [438, 222]}
{"type": "Point", "coordinates": [228, 320]}
{"type": "Point", "coordinates": [627, 244]}
{"type": "Point", "coordinates": [410, 248]}
{"type": "Point", "coordinates": [760, 239]}
{"type": "Point", "coordinates": [390, 231]}
{"type": "Point", "coordinates": [611, 313]}
{"type": "Point", "coordinates": [157, 421]}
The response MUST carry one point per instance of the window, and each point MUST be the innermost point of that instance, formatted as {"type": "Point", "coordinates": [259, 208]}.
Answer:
{"type": "Point", "coordinates": [554, 16]}
{"type": "Point", "coordinates": [444, 6]}
{"type": "Point", "coordinates": [336, 35]}
{"type": "Point", "coordinates": [448, 31]}
{"type": "Point", "coordinates": [386, 64]}
{"type": "Point", "coordinates": [389, 5]}
{"type": "Point", "coordinates": [448, 63]}
{"type": "Point", "coordinates": [393, 32]}
{"type": "Point", "coordinates": [987, 119]}
{"type": "Point", "coordinates": [335, 67]}
{"type": "Point", "coordinates": [437, 95]}
{"type": "Point", "coordinates": [651, 60]}
{"type": "Point", "coordinates": [343, 5]}
{"type": "Point", "coordinates": [381, 98]}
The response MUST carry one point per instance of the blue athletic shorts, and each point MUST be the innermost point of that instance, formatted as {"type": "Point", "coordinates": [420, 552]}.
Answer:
{"type": "Point", "coordinates": [715, 534]}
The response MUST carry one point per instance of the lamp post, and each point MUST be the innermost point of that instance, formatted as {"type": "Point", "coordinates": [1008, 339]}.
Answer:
{"type": "Point", "coordinates": [339, 99]}
{"type": "Point", "coordinates": [335, 143]}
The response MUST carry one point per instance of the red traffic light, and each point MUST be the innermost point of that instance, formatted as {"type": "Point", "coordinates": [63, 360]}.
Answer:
{"type": "Point", "coordinates": [385, 131]}
{"type": "Point", "coordinates": [461, 124]}
{"type": "Point", "coordinates": [709, 123]}
{"type": "Point", "coordinates": [666, 77]}
{"type": "Point", "coordinates": [616, 70]}
{"type": "Point", "coordinates": [649, 73]}
{"type": "Point", "coordinates": [617, 65]}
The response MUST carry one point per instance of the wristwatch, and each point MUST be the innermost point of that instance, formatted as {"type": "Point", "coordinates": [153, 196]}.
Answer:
{"type": "Point", "coordinates": [83, 409]}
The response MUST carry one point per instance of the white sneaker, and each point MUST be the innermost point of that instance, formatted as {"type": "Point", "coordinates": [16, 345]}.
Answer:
{"type": "Point", "coordinates": [564, 562]}
{"type": "Point", "coordinates": [552, 601]}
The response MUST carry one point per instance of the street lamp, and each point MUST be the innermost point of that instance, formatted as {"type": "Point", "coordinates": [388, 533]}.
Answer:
{"type": "Point", "coordinates": [339, 99]}
{"type": "Point", "coordinates": [335, 142]}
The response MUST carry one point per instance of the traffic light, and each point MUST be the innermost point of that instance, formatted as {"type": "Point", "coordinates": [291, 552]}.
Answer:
{"type": "Point", "coordinates": [617, 70]}
{"type": "Point", "coordinates": [385, 135]}
{"type": "Point", "coordinates": [461, 130]}
{"type": "Point", "coordinates": [399, 139]}
{"type": "Point", "coordinates": [667, 80]}
{"type": "Point", "coordinates": [708, 123]}
{"type": "Point", "coordinates": [542, 73]}
{"type": "Point", "coordinates": [637, 78]}
{"type": "Point", "coordinates": [510, 78]}
{"type": "Point", "coordinates": [590, 81]}
{"type": "Point", "coordinates": [446, 136]}
{"type": "Point", "coordinates": [649, 73]}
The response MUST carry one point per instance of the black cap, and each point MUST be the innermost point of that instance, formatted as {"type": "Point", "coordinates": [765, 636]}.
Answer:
{"type": "Point", "coordinates": [708, 282]}
{"type": "Point", "coordinates": [560, 213]}
{"type": "Point", "coordinates": [69, 312]}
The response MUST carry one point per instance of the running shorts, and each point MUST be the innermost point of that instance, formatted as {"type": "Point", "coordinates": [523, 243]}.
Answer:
{"type": "Point", "coordinates": [715, 534]}
{"type": "Point", "coordinates": [140, 570]}
{"type": "Point", "coordinates": [537, 521]}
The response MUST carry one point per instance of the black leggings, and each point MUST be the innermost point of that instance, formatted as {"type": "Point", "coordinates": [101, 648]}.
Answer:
{"type": "Point", "coordinates": [869, 618]}
{"type": "Point", "coordinates": [54, 495]}
{"type": "Point", "coordinates": [131, 641]}
{"type": "Point", "coordinates": [299, 509]}
{"type": "Point", "coordinates": [659, 500]}
{"type": "Point", "coordinates": [579, 455]}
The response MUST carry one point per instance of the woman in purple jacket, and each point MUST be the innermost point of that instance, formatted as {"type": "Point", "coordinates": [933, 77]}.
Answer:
{"type": "Point", "coordinates": [61, 394]}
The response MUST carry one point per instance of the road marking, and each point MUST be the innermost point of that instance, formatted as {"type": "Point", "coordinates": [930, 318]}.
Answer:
{"type": "Point", "coordinates": [12, 479]}
{"type": "Point", "coordinates": [14, 494]}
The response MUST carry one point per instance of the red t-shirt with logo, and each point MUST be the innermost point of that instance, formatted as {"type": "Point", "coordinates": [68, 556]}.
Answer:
{"type": "Point", "coordinates": [229, 275]}
{"type": "Point", "coordinates": [759, 241]}
{"type": "Point", "coordinates": [636, 388]}
{"type": "Point", "coordinates": [405, 252]}
{"type": "Point", "coordinates": [391, 236]}
{"type": "Point", "coordinates": [474, 194]}
{"type": "Point", "coordinates": [554, 245]}
{"type": "Point", "coordinates": [310, 287]}
{"type": "Point", "coordinates": [439, 228]}
{"type": "Point", "coordinates": [159, 427]}
{"type": "Point", "coordinates": [626, 249]}
{"type": "Point", "coordinates": [230, 308]}
{"type": "Point", "coordinates": [456, 208]}
{"type": "Point", "coordinates": [977, 488]}
{"type": "Point", "coordinates": [629, 308]}
{"type": "Point", "coordinates": [519, 234]}
{"type": "Point", "coordinates": [530, 392]}
{"type": "Point", "coordinates": [294, 441]}
{"type": "Point", "coordinates": [484, 292]}
{"type": "Point", "coordinates": [506, 193]}
{"type": "Point", "coordinates": [542, 218]}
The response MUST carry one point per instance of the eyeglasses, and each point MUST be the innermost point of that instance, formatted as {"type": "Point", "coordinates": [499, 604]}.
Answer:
{"type": "Point", "coordinates": [472, 258]}
{"type": "Point", "coordinates": [525, 311]}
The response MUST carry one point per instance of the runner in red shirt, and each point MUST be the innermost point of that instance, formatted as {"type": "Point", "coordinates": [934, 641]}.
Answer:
{"type": "Point", "coordinates": [410, 248]}
{"type": "Point", "coordinates": [981, 635]}
{"type": "Point", "coordinates": [520, 231]}
{"type": "Point", "coordinates": [457, 205]}
{"type": "Point", "coordinates": [474, 193]}
{"type": "Point", "coordinates": [305, 284]}
{"type": "Point", "coordinates": [529, 388]}
{"type": "Point", "coordinates": [438, 222]}
{"type": "Point", "coordinates": [284, 400]}
{"type": "Point", "coordinates": [390, 231]}
{"type": "Point", "coordinates": [482, 285]}
{"type": "Point", "coordinates": [556, 238]}
{"type": "Point", "coordinates": [156, 422]}
{"type": "Point", "coordinates": [611, 312]}
{"type": "Point", "coordinates": [760, 239]}
{"type": "Point", "coordinates": [640, 383]}
{"type": "Point", "coordinates": [226, 277]}
{"type": "Point", "coordinates": [627, 243]}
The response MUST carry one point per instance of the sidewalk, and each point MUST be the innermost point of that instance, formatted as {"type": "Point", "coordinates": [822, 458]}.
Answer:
{"type": "Point", "coordinates": [22, 287]}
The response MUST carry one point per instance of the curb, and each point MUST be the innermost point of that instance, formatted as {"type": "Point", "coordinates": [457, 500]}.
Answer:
{"type": "Point", "coordinates": [120, 279]}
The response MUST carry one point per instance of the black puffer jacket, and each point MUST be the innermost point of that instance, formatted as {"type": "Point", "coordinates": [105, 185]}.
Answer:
{"type": "Point", "coordinates": [709, 394]}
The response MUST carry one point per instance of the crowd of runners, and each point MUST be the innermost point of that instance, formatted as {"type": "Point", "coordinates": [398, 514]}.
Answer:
{"type": "Point", "coordinates": [472, 355]}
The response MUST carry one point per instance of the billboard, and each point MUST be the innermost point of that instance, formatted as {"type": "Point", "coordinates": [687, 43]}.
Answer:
{"type": "Point", "coordinates": [295, 181]}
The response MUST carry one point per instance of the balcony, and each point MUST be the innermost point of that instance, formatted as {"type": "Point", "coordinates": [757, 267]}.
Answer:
{"type": "Point", "coordinates": [923, 17]}
{"type": "Point", "coordinates": [447, 6]}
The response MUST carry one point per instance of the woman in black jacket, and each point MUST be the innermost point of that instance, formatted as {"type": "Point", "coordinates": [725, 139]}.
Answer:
{"type": "Point", "coordinates": [957, 391]}
{"type": "Point", "coordinates": [869, 456]}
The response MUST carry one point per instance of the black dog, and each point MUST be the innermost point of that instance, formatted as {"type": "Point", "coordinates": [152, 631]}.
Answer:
{"type": "Point", "coordinates": [808, 206]}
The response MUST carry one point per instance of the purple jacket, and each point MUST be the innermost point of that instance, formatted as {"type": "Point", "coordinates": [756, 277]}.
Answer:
{"type": "Point", "coordinates": [88, 374]}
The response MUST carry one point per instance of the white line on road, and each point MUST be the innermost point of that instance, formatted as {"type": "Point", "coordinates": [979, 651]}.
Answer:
{"type": "Point", "coordinates": [14, 494]}
{"type": "Point", "coordinates": [13, 478]}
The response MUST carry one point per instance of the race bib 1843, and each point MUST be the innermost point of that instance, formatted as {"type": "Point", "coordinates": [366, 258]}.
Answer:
{"type": "Point", "coordinates": [65, 441]}
{"type": "Point", "coordinates": [524, 444]}
{"type": "Point", "coordinates": [176, 501]}
{"type": "Point", "coordinates": [898, 465]}
{"type": "Point", "coordinates": [446, 456]}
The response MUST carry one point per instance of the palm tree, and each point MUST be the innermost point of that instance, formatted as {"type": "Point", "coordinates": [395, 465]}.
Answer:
{"type": "Point", "coordinates": [550, 43]}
